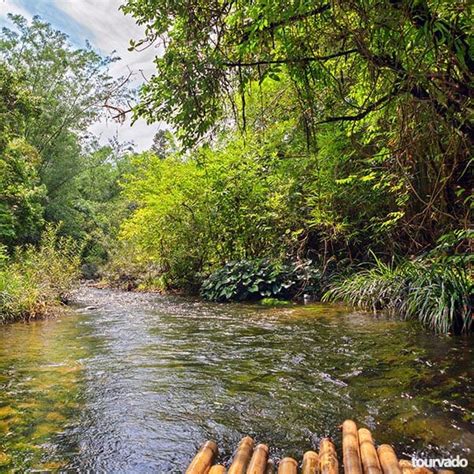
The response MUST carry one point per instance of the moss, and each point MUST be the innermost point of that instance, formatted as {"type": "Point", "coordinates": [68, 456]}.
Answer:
{"type": "Point", "coordinates": [4, 426]}
{"type": "Point", "coordinates": [5, 459]}
{"type": "Point", "coordinates": [55, 416]}
{"type": "Point", "coordinates": [52, 466]}
{"type": "Point", "coordinates": [275, 302]}
{"type": "Point", "coordinates": [44, 430]}
{"type": "Point", "coordinates": [6, 412]}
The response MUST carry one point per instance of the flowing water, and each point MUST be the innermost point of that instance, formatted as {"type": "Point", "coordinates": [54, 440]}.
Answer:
{"type": "Point", "coordinates": [135, 382]}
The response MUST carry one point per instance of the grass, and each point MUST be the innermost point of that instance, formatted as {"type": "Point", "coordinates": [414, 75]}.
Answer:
{"type": "Point", "coordinates": [438, 293]}
{"type": "Point", "coordinates": [36, 280]}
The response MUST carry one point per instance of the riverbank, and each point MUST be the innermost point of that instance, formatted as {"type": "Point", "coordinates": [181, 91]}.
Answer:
{"type": "Point", "coordinates": [37, 280]}
{"type": "Point", "coordinates": [435, 289]}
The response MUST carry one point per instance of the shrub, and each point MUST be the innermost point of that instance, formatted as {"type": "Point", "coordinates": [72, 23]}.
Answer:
{"type": "Point", "coordinates": [436, 292]}
{"type": "Point", "coordinates": [262, 278]}
{"type": "Point", "coordinates": [126, 270]}
{"type": "Point", "coordinates": [37, 279]}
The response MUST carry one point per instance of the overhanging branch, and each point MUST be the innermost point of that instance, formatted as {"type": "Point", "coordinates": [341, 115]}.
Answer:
{"type": "Point", "coordinates": [287, 21]}
{"type": "Point", "coordinates": [352, 118]}
{"type": "Point", "coordinates": [306, 59]}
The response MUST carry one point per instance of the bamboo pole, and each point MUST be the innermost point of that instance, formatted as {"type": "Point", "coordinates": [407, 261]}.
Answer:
{"type": "Point", "coordinates": [242, 456]}
{"type": "Point", "coordinates": [203, 459]}
{"type": "Point", "coordinates": [217, 469]}
{"type": "Point", "coordinates": [288, 466]}
{"type": "Point", "coordinates": [327, 457]}
{"type": "Point", "coordinates": [270, 469]}
{"type": "Point", "coordinates": [408, 468]}
{"type": "Point", "coordinates": [368, 453]}
{"type": "Point", "coordinates": [310, 463]}
{"type": "Point", "coordinates": [350, 448]}
{"type": "Point", "coordinates": [388, 460]}
{"type": "Point", "coordinates": [258, 463]}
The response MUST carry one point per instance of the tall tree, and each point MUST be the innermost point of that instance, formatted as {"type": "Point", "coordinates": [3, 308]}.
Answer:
{"type": "Point", "coordinates": [21, 194]}
{"type": "Point", "coordinates": [396, 75]}
{"type": "Point", "coordinates": [73, 88]}
{"type": "Point", "coordinates": [163, 143]}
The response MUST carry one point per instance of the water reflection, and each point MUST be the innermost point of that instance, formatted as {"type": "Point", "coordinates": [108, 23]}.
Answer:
{"type": "Point", "coordinates": [137, 382]}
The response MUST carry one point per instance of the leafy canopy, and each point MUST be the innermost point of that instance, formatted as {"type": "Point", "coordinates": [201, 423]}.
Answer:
{"type": "Point", "coordinates": [346, 59]}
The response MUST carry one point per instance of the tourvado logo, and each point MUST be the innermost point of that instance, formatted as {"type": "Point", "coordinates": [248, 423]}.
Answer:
{"type": "Point", "coordinates": [439, 463]}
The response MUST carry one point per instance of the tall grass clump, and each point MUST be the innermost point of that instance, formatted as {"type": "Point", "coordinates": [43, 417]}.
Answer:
{"type": "Point", "coordinates": [436, 291]}
{"type": "Point", "coordinates": [37, 279]}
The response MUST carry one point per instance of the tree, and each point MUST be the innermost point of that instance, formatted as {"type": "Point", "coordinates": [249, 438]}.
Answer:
{"type": "Point", "coordinates": [395, 74]}
{"type": "Point", "coordinates": [21, 194]}
{"type": "Point", "coordinates": [164, 143]}
{"type": "Point", "coordinates": [353, 49]}
{"type": "Point", "coordinates": [72, 88]}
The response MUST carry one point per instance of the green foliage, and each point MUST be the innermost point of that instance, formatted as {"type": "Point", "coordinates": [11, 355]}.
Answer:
{"type": "Point", "coordinates": [167, 226]}
{"type": "Point", "coordinates": [61, 91]}
{"type": "Point", "coordinates": [258, 196]}
{"type": "Point", "coordinates": [353, 204]}
{"type": "Point", "coordinates": [437, 294]}
{"type": "Point", "coordinates": [391, 78]}
{"type": "Point", "coordinates": [21, 195]}
{"type": "Point", "coordinates": [125, 269]}
{"type": "Point", "coordinates": [257, 279]}
{"type": "Point", "coordinates": [97, 206]}
{"type": "Point", "coordinates": [440, 296]}
{"type": "Point", "coordinates": [214, 50]}
{"type": "Point", "coordinates": [454, 248]}
{"type": "Point", "coordinates": [16, 105]}
{"type": "Point", "coordinates": [38, 279]}
{"type": "Point", "coordinates": [192, 214]}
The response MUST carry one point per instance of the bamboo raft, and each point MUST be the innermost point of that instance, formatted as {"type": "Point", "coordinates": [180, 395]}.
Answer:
{"type": "Point", "coordinates": [359, 453]}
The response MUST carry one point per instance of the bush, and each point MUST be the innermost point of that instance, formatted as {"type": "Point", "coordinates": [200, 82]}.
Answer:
{"type": "Point", "coordinates": [126, 270]}
{"type": "Point", "coordinates": [38, 279]}
{"type": "Point", "coordinates": [436, 292]}
{"type": "Point", "coordinates": [262, 278]}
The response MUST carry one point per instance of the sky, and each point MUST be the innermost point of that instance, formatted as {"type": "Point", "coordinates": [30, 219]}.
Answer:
{"type": "Point", "coordinates": [108, 30]}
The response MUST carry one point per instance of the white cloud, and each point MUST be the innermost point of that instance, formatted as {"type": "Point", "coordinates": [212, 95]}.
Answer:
{"type": "Point", "coordinates": [139, 133]}
{"type": "Point", "coordinates": [9, 6]}
{"type": "Point", "coordinates": [111, 30]}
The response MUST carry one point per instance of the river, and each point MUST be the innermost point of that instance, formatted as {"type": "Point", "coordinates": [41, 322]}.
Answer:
{"type": "Point", "coordinates": [130, 382]}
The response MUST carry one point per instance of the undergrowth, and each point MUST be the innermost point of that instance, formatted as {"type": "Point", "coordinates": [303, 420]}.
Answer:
{"type": "Point", "coordinates": [436, 291]}
{"type": "Point", "coordinates": [261, 278]}
{"type": "Point", "coordinates": [37, 279]}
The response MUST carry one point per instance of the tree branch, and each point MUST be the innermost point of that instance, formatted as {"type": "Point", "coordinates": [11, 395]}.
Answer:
{"type": "Point", "coordinates": [352, 118]}
{"type": "Point", "coordinates": [286, 21]}
{"type": "Point", "coordinates": [291, 61]}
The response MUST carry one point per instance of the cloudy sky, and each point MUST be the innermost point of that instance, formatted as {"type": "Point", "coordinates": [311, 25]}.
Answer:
{"type": "Point", "coordinates": [107, 29]}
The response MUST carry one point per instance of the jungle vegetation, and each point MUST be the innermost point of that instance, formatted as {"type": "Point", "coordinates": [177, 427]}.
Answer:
{"type": "Point", "coordinates": [58, 187]}
{"type": "Point", "coordinates": [314, 147]}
